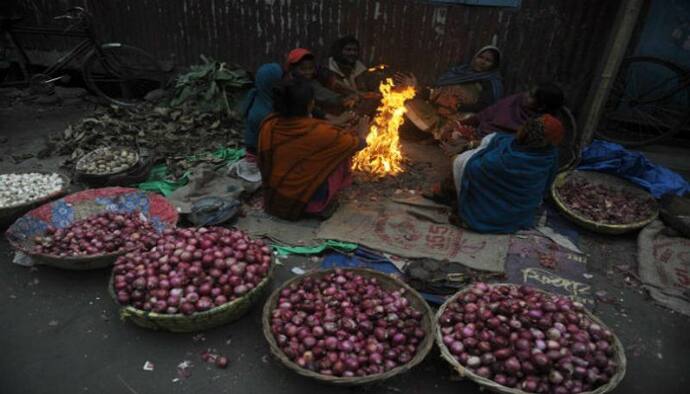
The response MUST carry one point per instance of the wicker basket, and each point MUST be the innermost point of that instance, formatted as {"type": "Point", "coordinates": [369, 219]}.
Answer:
{"type": "Point", "coordinates": [10, 214]}
{"type": "Point", "coordinates": [61, 213]}
{"type": "Point", "coordinates": [619, 353]}
{"type": "Point", "coordinates": [199, 321]}
{"type": "Point", "coordinates": [608, 180]}
{"type": "Point", "coordinates": [89, 176]}
{"type": "Point", "coordinates": [387, 282]}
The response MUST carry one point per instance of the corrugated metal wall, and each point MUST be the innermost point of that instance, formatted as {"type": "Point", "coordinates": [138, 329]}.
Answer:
{"type": "Point", "coordinates": [542, 40]}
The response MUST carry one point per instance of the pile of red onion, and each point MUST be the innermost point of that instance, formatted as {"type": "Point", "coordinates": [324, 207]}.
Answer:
{"type": "Point", "coordinates": [100, 234]}
{"type": "Point", "coordinates": [525, 339]}
{"type": "Point", "coordinates": [191, 270]}
{"type": "Point", "coordinates": [345, 324]}
{"type": "Point", "coordinates": [604, 204]}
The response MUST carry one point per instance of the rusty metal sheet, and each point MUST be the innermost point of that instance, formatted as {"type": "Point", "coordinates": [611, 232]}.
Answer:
{"type": "Point", "coordinates": [560, 40]}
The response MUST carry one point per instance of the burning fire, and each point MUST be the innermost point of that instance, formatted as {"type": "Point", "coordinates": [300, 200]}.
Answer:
{"type": "Point", "coordinates": [382, 155]}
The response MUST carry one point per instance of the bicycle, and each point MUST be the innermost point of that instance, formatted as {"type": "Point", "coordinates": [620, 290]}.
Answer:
{"type": "Point", "coordinates": [119, 73]}
{"type": "Point", "coordinates": [649, 102]}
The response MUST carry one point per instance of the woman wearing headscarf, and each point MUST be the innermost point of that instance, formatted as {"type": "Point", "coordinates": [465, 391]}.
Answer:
{"type": "Point", "coordinates": [304, 161]}
{"type": "Point", "coordinates": [461, 91]}
{"type": "Point", "coordinates": [300, 63]}
{"type": "Point", "coordinates": [500, 185]}
{"type": "Point", "coordinates": [258, 104]}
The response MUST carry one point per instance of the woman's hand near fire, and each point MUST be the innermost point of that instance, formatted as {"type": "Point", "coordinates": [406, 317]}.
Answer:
{"type": "Point", "coordinates": [405, 79]}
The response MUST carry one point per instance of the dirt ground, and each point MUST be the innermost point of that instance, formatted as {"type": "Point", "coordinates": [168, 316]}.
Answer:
{"type": "Point", "coordinates": [60, 332]}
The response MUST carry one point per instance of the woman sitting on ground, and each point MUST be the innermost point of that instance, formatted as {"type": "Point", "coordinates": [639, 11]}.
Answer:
{"type": "Point", "coordinates": [499, 185]}
{"type": "Point", "coordinates": [300, 63]}
{"type": "Point", "coordinates": [461, 91]}
{"type": "Point", "coordinates": [258, 105]}
{"type": "Point", "coordinates": [506, 115]}
{"type": "Point", "coordinates": [304, 161]}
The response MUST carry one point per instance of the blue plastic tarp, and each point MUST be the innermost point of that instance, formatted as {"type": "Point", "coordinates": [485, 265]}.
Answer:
{"type": "Point", "coordinates": [613, 159]}
{"type": "Point", "coordinates": [362, 258]}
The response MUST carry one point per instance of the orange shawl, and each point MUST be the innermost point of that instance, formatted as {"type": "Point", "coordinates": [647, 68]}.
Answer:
{"type": "Point", "coordinates": [296, 155]}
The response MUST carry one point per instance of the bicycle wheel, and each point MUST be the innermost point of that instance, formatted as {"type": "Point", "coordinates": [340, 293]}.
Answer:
{"type": "Point", "coordinates": [122, 74]}
{"type": "Point", "coordinates": [648, 99]}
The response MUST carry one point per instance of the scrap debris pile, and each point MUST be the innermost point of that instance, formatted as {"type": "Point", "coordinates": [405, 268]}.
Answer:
{"type": "Point", "coordinates": [198, 115]}
{"type": "Point", "coordinates": [172, 133]}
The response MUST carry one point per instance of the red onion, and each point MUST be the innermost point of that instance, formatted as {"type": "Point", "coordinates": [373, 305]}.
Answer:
{"type": "Point", "coordinates": [193, 282]}
{"type": "Point", "coordinates": [604, 204]}
{"type": "Point", "coordinates": [523, 338]}
{"type": "Point", "coordinates": [364, 328]}
{"type": "Point", "coordinates": [105, 233]}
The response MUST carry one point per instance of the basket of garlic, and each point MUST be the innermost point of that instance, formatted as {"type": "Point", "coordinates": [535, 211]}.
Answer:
{"type": "Point", "coordinates": [20, 192]}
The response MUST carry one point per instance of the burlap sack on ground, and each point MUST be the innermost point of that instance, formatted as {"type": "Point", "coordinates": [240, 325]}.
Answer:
{"type": "Point", "coordinates": [296, 233]}
{"type": "Point", "coordinates": [664, 266]}
{"type": "Point", "coordinates": [415, 230]}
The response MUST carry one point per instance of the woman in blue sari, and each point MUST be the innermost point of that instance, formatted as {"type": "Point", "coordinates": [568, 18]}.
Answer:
{"type": "Point", "coordinates": [500, 184]}
{"type": "Point", "coordinates": [257, 105]}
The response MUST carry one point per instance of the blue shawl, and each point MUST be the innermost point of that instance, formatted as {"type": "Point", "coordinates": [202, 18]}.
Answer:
{"type": "Point", "coordinates": [259, 101]}
{"type": "Point", "coordinates": [464, 74]}
{"type": "Point", "coordinates": [503, 185]}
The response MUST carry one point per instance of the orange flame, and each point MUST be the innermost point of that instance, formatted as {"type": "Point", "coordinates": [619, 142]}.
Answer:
{"type": "Point", "coordinates": [382, 155]}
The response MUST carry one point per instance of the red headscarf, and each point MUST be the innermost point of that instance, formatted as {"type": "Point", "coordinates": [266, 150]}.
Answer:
{"type": "Point", "coordinates": [296, 55]}
{"type": "Point", "coordinates": [553, 129]}
{"type": "Point", "coordinates": [541, 132]}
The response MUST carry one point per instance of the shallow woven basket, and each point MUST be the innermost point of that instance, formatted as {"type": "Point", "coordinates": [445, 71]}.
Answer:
{"type": "Point", "coordinates": [387, 282]}
{"type": "Point", "coordinates": [89, 176]}
{"type": "Point", "coordinates": [10, 214]}
{"type": "Point", "coordinates": [611, 181]}
{"type": "Point", "coordinates": [619, 353]}
{"type": "Point", "coordinates": [199, 321]}
{"type": "Point", "coordinates": [61, 213]}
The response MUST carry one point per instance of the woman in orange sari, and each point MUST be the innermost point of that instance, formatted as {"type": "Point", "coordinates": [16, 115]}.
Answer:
{"type": "Point", "coordinates": [304, 161]}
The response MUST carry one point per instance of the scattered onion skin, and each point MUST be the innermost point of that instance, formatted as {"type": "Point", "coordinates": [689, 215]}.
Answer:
{"type": "Point", "coordinates": [525, 339]}
{"type": "Point", "coordinates": [155, 279]}
{"type": "Point", "coordinates": [359, 328]}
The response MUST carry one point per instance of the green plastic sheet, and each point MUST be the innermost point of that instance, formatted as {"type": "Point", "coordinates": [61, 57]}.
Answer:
{"type": "Point", "coordinates": [284, 251]}
{"type": "Point", "coordinates": [159, 182]}
{"type": "Point", "coordinates": [228, 155]}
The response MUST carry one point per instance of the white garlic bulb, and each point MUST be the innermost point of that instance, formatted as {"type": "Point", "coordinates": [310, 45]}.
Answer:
{"type": "Point", "coordinates": [16, 189]}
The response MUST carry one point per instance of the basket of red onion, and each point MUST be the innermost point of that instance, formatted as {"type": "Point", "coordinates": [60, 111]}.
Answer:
{"type": "Point", "coordinates": [90, 229]}
{"type": "Point", "coordinates": [348, 326]}
{"type": "Point", "coordinates": [193, 279]}
{"type": "Point", "coordinates": [518, 339]}
{"type": "Point", "coordinates": [603, 203]}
